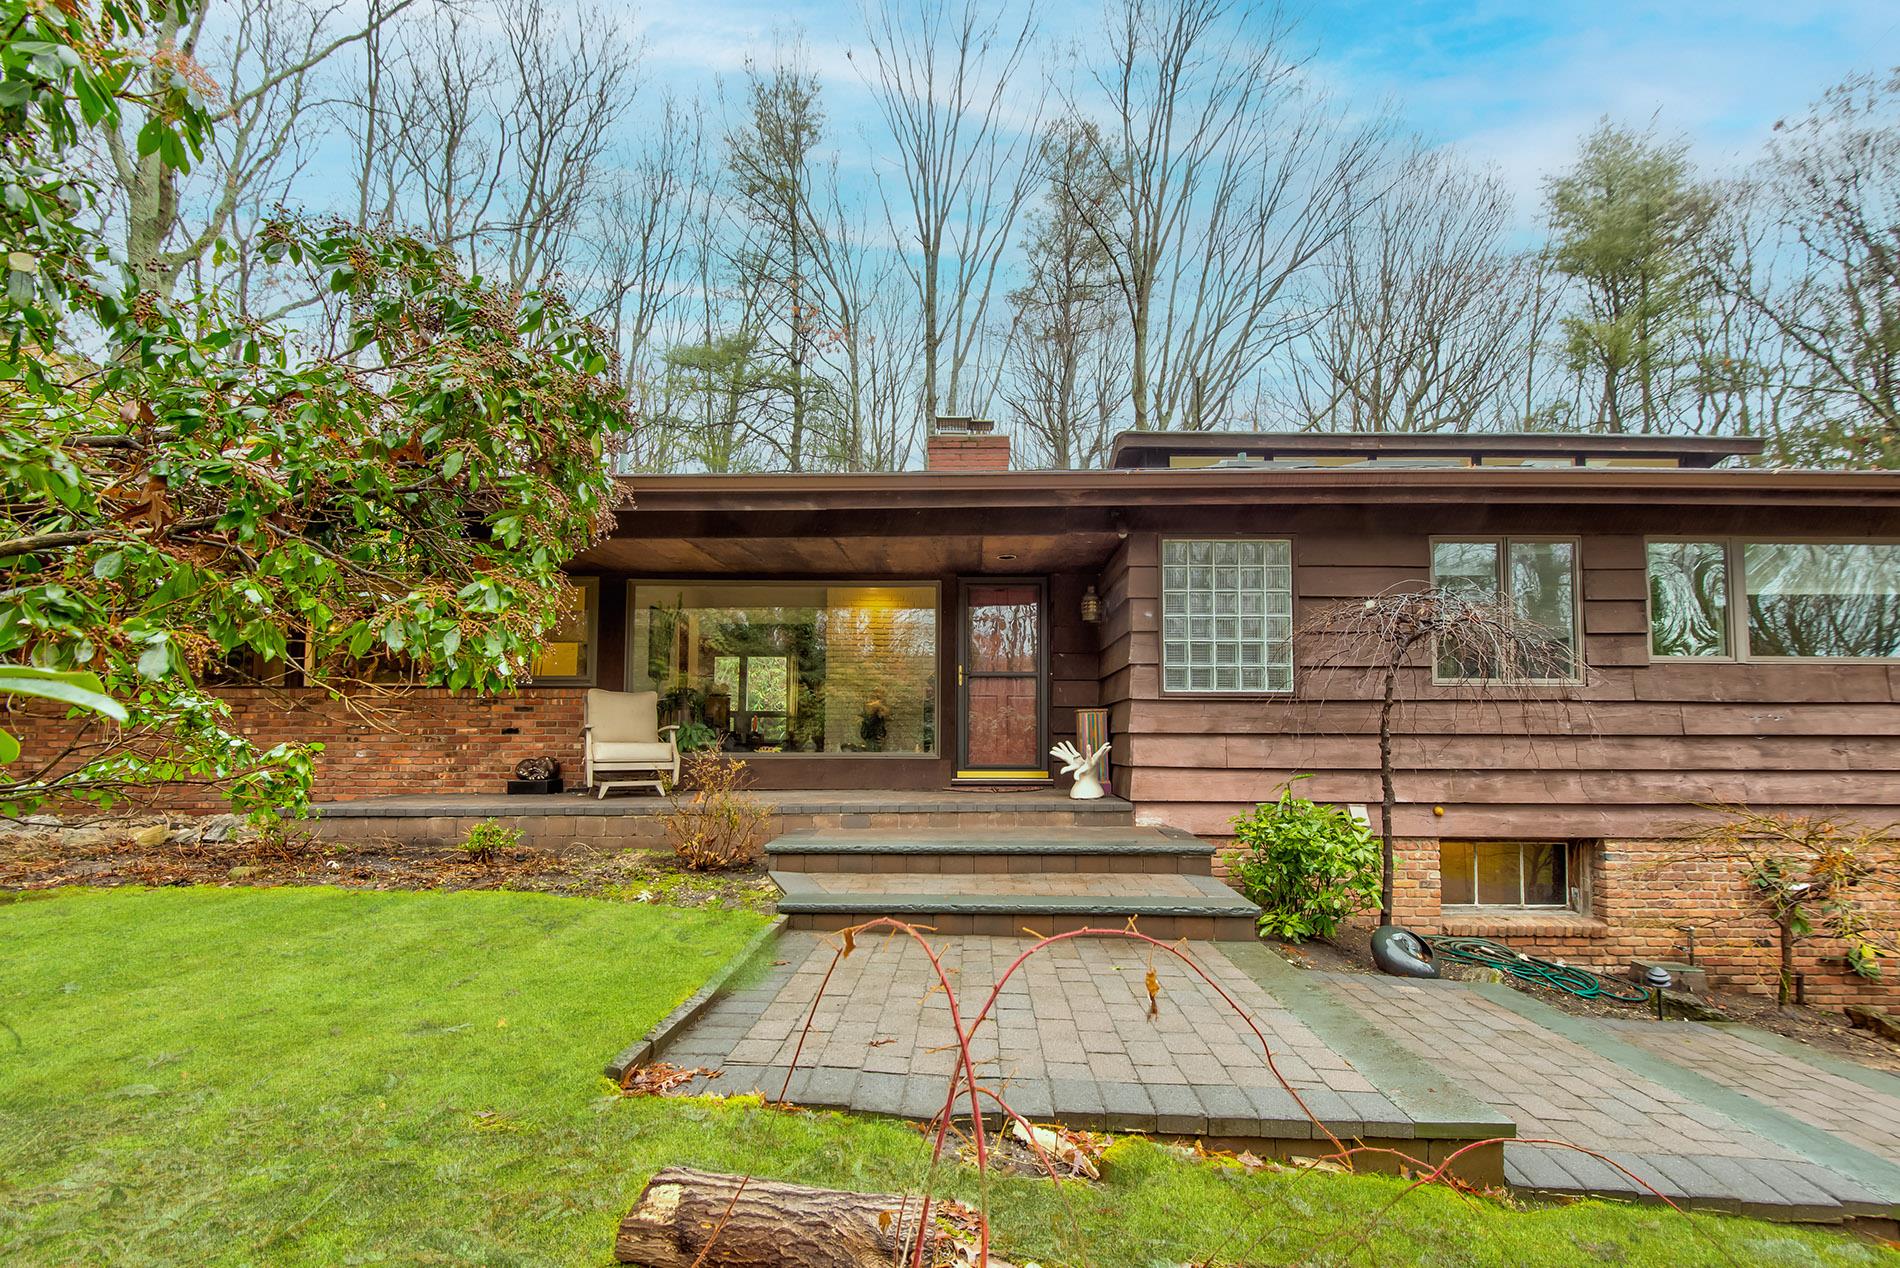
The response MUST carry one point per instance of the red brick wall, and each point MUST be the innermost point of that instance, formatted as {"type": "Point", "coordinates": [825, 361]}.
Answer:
{"type": "Point", "coordinates": [1642, 893]}
{"type": "Point", "coordinates": [421, 741]}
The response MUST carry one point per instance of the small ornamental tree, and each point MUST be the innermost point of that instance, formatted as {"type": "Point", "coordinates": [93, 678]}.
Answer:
{"type": "Point", "coordinates": [1307, 866]}
{"type": "Point", "coordinates": [1812, 877]}
{"type": "Point", "coordinates": [182, 489]}
{"type": "Point", "coordinates": [1479, 644]}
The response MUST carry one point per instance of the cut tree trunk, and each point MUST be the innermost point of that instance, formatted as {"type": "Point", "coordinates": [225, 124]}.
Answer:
{"type": "Point", "coordinates": [752, 1223]}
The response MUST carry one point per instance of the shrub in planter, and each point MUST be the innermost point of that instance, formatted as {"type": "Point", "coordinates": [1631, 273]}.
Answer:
{"type": "Point", "coordinates": [489, 838]}
{"type": "Point", "coordinates": [1308, 866]}
{"type": "Point", "coordinates": [714, 823]}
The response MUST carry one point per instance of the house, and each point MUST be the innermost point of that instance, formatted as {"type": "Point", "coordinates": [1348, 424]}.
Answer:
{"type": "Point", "coordinates": [1736, 632]}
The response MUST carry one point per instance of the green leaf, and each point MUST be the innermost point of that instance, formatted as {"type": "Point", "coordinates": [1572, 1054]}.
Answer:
{"type": "Point", "coordinates": [79, 689]}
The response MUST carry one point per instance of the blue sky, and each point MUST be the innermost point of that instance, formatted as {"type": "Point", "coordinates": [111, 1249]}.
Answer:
{"type": "Point", "coordinates": [1512, 84]}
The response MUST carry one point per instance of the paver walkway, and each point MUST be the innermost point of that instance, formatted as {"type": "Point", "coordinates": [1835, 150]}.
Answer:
{"type": "Point", "coordinates": [1848, 1100]}
{"type": "Point", "coordinates": [1072, 1039]}
{"type": "Point", "coordinates": [1716, 1118]}
{"type": "Point", "coordinates": [1571, 1079]}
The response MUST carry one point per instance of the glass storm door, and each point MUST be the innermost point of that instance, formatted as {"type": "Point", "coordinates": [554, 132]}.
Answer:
{"type": "Point", "coordinates": [1001, 672]}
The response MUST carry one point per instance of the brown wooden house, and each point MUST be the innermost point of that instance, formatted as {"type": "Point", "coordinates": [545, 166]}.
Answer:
{"type": "Point", "coordinates": [1736, 632]}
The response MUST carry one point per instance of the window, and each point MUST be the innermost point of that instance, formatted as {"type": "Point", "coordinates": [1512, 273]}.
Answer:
{"type": "Point", "coordinates": [792, 668]}
{"type": "Point", "coordinates": [1766, 600]}
{"type": "Point", "coordinates": [568, 653]}
{"type": "Point", "coordinates": [1507, 873]}
{"type": "Point", "coordinates": [1688, 599]}
{"type": "Point", "coordinates": [1227, 615]}
{"type": "Point", "coordinates": [1534, 579]}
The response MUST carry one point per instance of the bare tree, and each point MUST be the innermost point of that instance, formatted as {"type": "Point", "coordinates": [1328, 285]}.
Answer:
{"type": "Point", "coordinates": [945, 78]}
{"type": "Point", "coordinates": [494, 137]}
{"type": "Point", "coordinates": [771, 158]}
{"type": "Point", "coordinates": [1472, 638]}
{"type": "Point", "coordinates": [1832, 178]}
{"type": "Point", "coordinates": [641, 242]}
{"type": "Point", "coordinates": [1424, 309]}
{"type": "Point", "coordinates": [1235, 177]}
{"type": "Point", "coordinates": [1069, 357]}
{"type": "Point", "coordinates": [260, 73]}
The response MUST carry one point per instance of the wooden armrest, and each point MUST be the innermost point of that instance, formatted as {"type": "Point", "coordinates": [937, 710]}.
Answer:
{"type": "Point", "coordinates": [668, 729]}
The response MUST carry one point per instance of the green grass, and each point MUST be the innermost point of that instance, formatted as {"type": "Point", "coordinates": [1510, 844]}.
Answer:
{"type": "Point", "coordinates": [331, 1077]}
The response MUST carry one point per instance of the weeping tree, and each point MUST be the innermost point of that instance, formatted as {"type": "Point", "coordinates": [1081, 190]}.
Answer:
{"type": "Point", "coordinates": [1466, 638]}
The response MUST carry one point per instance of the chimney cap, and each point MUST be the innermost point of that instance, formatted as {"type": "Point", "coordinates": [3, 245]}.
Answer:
{"type": "Point", "coordinates": [963, 425]}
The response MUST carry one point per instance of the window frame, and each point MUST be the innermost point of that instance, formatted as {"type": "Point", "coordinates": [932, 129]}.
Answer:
{"type": "Point", "coordinates": [1503, 542]}
{"type": "Point", "coordinates": [590, 584]}
{"type": "Point", "coordinates": [1293, 607]}
{"type": "Point", "coordinates": [1576, 866]}
{"type": "Point", "coordinates": [935, 585]}
{"type": "Point", "coordinates": [1734, 564]}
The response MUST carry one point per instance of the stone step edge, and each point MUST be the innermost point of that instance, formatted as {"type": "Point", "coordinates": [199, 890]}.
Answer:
{"type": "Point", "coordinates": [950, 841]}
{"type": "Point", "coordinates": [801, 897]}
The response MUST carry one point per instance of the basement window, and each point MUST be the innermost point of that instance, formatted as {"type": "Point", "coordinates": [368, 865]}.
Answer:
{"type": "Point", "coordinates": [1509, 874]}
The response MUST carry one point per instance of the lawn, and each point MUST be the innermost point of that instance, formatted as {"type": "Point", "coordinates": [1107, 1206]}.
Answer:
{"type": "Point", "coordinates": [238, 1076]}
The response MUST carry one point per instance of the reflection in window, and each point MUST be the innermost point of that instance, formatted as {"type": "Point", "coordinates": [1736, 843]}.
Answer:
{"type": "Point", "coordinates": [568, 651]}
{"type": "Point", "coordinates": [1830, 599]}
{"type": "Point", "coordinates": [1505, 873]}
{"type": "Point", "coordinates": [1227, 615]}
{"type": "Point", "coordinates": [1688, 599]}
{"type": "Point", "coordinates": [1536, 580]}
{"type": "Point", "coordinates": [792, 668]}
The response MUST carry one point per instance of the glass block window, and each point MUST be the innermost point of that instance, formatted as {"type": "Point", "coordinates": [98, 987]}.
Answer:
{"type": "Point", "coordinates": [1227, 615]}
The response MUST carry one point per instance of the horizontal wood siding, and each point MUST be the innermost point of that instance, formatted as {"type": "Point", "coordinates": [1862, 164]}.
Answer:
{"type": "Point", "coordinates": [1633, 755]}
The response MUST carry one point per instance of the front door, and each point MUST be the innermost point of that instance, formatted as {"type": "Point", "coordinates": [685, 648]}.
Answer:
{"type": "Point", "coordinates": [1002, 672]}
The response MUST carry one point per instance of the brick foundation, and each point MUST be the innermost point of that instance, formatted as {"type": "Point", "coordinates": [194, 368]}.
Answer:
{"type": "Point", "coordinates": [425, 740]}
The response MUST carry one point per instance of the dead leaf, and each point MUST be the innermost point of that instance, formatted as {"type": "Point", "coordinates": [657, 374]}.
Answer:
{"type": "Point", "coordinates": [660, 1079]}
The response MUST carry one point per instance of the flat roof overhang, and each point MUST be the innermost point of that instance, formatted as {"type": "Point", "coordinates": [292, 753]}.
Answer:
{"type": "Point", "coordinates": [1149, 487]}
{"type": "Point", "coordinates": [936, 523]}
{"type": "Point", "coordinates": [1155, 448]}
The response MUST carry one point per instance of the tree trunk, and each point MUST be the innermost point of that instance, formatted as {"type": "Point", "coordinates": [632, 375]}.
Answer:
{"type": "Point", "coordinates": [767, 1224]}
{"type": "Point", "coordinates": [1786, 986]}
{"type": "Point", "coordinates": [1388, 857]}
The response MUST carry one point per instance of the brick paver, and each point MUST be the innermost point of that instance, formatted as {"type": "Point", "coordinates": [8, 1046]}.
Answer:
{"type": "Point", "coordinates": [1857, 1110]}
{"type": "Point", "coordinates": [1072, 1038]}
{"type": "Point", "coordinates": [1557, 1088]}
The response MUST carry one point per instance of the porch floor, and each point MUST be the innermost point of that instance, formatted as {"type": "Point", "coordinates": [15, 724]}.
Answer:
{"type": "Point", "coordinates": [794, 801]}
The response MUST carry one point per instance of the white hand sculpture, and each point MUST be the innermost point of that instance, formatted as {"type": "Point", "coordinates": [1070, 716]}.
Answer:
{"type": "Point", "coordinates": [1087, 770]}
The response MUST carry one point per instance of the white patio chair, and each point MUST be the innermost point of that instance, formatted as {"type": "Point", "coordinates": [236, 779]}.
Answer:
{"type": "Point", "coordinates": [624, 743]}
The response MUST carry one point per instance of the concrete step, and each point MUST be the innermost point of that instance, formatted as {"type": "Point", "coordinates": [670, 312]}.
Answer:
{"type": "Point", "coordinates": [1004, 904]}
{"type": "Point", "coordinates": [941, 851]}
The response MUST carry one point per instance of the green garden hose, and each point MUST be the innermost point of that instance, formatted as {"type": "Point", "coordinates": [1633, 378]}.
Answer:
{"type": "Point", "coordinates": [1528, 968]}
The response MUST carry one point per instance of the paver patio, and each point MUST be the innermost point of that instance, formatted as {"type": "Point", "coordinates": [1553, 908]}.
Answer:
{"type": "Point", "coordinates": [1072, 1039]}
{"type": "Point", "coordinates": [1710, 1118]}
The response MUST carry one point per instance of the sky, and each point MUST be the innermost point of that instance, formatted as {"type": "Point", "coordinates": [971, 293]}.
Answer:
{"type": "Point", "coordinates": [1513, 85]}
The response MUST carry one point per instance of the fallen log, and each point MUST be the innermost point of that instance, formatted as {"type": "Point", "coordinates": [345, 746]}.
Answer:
{"type": "Point", "coordinates": [753, 1223]}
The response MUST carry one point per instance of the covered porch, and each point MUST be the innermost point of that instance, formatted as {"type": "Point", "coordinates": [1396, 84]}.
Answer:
{"type": "Point", "coordinates": [835, 645]}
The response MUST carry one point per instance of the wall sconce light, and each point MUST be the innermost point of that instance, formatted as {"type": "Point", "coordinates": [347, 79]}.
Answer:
{"type": "Point", "coordinates": [1091, 606]}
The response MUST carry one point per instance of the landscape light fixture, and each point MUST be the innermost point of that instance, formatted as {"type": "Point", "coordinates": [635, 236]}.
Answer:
{"type": "Point", "coordinates": [1658, 979]}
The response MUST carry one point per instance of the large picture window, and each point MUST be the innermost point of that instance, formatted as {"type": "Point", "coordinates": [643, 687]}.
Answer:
{"type": "Point", "coordinates": [1766, 600]}
{"type": "Point", "coordinates": [1227, 615]}
{"type": "Point", "coordinates": [783, 668]}
{"type": "Point", "coordinates": [1535, 579]}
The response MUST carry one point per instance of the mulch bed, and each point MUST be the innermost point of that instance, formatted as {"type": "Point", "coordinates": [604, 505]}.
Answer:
{"type": "Point", "coordinates": [1827, 1031]}
{"type": "Point", "coordinates": [110, 853]}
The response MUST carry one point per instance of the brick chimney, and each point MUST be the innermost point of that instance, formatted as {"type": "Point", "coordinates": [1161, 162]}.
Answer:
{"type": "Point", "coordinates": [961, 443]}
